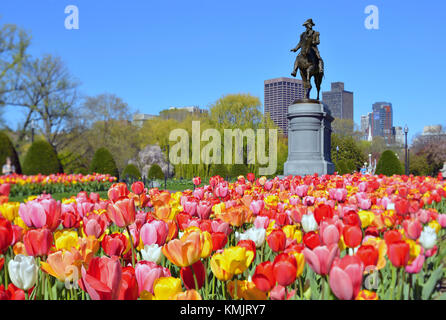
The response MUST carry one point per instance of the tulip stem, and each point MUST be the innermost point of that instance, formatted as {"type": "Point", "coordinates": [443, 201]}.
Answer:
{"type": "Point", "coordinates": [235, 289]}
{"type": "Point", "coordinates": [213, 286]}
{"type": "Point", "coordinates": [392, 286]}
{"type": "Point", "coordinates": [223, 290]}
{"type": "Point", "coordinates": [26, 294]}
{"type": "Point", "coordinates": [195, 278]}
{"type": "Point", "coordinates": [131, 245]}
{"type": "Point", "coordinates": [301, 290]}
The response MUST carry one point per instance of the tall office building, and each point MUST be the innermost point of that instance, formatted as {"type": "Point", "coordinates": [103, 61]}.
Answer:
{"type": "Point", "coordinates": [339, 101]}
{"type": "Point", "coordinates": [383, 121]}
{"type": "Point", "coordinates": [279, 94]}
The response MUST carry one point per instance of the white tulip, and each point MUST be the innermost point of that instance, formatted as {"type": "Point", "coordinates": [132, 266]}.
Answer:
{"type": "Point", "coordinates": [254, 234]}
{"type": "Point", "coordinates": [23, 271]}
{"type": "Point", "coordinates": [309, 223]}
{"type": "Point", "coordinates": [152, 253]}
{"type": "Point", "coordinates": [428, 238]}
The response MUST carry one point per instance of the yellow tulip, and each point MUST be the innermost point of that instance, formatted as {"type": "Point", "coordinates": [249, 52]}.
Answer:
{"type": "Point", "coordinates": [165, 288]}
{"type": "Point", "coordinates": [292, 232]}
{"type": "Point", "coordinates": [66, 239]}
{"type": "Point", "coordinates": [232, 261]}
{"type": "Point", "coordinates": [435, 225]}
{"type": "Point", "coordinates": [366, 217]}
{"type": "Point", "coordinates": [300, 259]}
{"type": "Point", "coordinates": [10, 210]}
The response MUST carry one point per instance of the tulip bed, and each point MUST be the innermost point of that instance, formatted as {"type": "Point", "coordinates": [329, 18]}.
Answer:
{"type": "Point", "coordinates": [22, 185]}
{"type": "Point", "coordinates": [297, 238]}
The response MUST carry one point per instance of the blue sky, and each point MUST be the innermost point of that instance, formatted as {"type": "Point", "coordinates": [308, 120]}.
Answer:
{"type": "Point", "coordinates": [156, 54]}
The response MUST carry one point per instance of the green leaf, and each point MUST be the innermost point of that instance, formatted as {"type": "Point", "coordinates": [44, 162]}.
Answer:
{"type": "Point", "coordinates": [429, 286]}
{"type": "Point", "coordinates": [441, 296]}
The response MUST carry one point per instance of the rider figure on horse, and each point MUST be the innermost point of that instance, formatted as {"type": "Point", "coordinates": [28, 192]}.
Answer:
{"type": "Point", "coordinates": [309, 39]}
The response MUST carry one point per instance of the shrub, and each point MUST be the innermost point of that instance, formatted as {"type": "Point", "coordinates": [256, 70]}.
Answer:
{"type": "Point", "coordinates": [389, 164]}
{"type": "Point", "coordinates": [341, 167]}
{"type": "Point", "coordinates": [41, 158]}
{"type": "Point", "coordinates": [238, 170]}
{"type": "Point", "coordinates": [7, 150]}
{"type": "Point", "coordinates": [131, 171]}
{"type": "Point", "coordinates": [155, 172]}
{"type": "Point", "coordinates": [219, 170]}
{"type": "Point", "coordinates": [103, 162]}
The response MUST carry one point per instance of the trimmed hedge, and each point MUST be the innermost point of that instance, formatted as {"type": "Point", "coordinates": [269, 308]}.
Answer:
{"type": "Point", "coordinates": [103, 162]}
{"type": "Point", "coordinates": [389, 164]}
{"type": "Point", "coordinates": [131, 171]}
{"type": "Point", "coordinates": [41, 158]}
{"type": "Point", "coordinates": [7, 150]}
{"type": "Point", "coordinates": [341, 167]}
{"type": "Point", "coordinates": [155, 172]}
{"type": "Point", "coordinates": [219, 170]}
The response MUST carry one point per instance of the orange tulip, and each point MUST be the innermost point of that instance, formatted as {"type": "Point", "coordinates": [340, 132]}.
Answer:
{"type": "Point", "coordinates": [246, 290]}
{"type": "Point", "coordinates": [187, 295]}
{"type": "Point", "coordinates": [63, 265]}
{"type": "Point", "coordinates": [235, 216]}
{"type": "Point", "coordinates": [185, 251]}
{"type": "Point", "coordinates": [87, 249]}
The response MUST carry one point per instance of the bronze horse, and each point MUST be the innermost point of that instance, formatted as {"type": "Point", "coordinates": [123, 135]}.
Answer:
{"type": "Point", "coordinates": [308, 61]}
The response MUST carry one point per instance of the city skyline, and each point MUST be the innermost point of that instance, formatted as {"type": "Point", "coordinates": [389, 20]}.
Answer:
{"type": "Point", "coordinates": [143, 52]}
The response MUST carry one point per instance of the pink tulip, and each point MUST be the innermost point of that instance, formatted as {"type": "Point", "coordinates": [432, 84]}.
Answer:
{"type": "Point", "coordinates": [416, 265]}
{"type": "Point", "coordinates": [329, 233]}
{"type": "Point", "coordinates": [154, 232]}
{"type": "Point", "coordinates": [198, 193]}
{"type": "Point", "coordinates": [221, 191]}
{"type": "Point", "coordinates": [95, 225]}
{"type": "Point", "coordinates": [321, 258]}
{"type": "Point", "coordinates": [41, 212]}
{"type": "Point", "coordinates": [302, 190]}
{"type": "Point", "coordinates": [190, 207]}
{"type": "Point", "coordinates": [442, 219]}
{"type": "Point", "coordinates": [423, 216]}
{"type": "Point", "coordinates": [268, 185]}
{"type": "Point", "coordinates": [204, 209]}
{"type": "Point", "coordinates": [412, 228]}
{"type": "Point", "coordinates": [256, 206]}
{"type": "Point", "coordinates": [95, 197]}
{"type": "Point", "coordinates": [346, 277]}
{"type": "Point", "coordinates": [220, 226]}
{"type": "Point", "coordinates": [365, 204]}
{"type": "Point", "coordinates": [308, 201]}
{"type": "Point", "coordinates": [279, 293]}
{"type": "Point", "coordinates": [147, 272]}
{"type": "Point", "coordinates": [261, 222]}
{"type": "Point", "coordinates": [362, 186]}
{"type": "Point", "coordinates": [339, 194]}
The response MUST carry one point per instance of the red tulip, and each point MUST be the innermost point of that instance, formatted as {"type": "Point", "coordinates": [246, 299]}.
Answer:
{"type": "Point", "coordinates": [12, 293]}
{"type": "Point", "coordinates": [95, 224]}
{"type": "Point", "coordinates": [402, 207]}
{"type": "Point", "coordinates": [187, 275]}
{"type": "Point", "coordinates": [285, 269]}
{"type": "Point", "coordinates": [263, 276]}
{"type": "Point", "coordinates": [392, 236]}
{"type": "Point", "coordinates": [118, 191]}
{"type": "Point", "coordinates": [196, 181]}
{"type": "Point", "coordinates": [321, 258]}
{"type": "Point", "coordinates": [38, 242]}
{"type": "Point", "coordinates": [102, 280]}
{"type": "Point", "coordinates": [323, 212]}
{"type": "Point", "coordinates": [277, 240]}
{"type": "Point", "coordinates": [351, 218]}
{"type": "Point", "coordinates": [311, 240]}
{"type": "Point", "coordinates": [129, 285]}
{"type": "Point", "coordinates": [138, 187]}
{"type": "Point", "coordinates": [352, 236]}
{"type": "Point", "coordinates": [219, 240]}
{"type": "Point", "coordinates": [122, 212]}
{"type": "Point", "coordinates": [346, 277]}
{"type": "Point", "coordinates": [6, 234]}
{"type": "Point", "coordinates": [368, 254]}
{"type": "Point", "coordinates": [115, 244]}
{"type": "Point", "coordinates": [248, 245]}
{"type": "Point", "coordinates": [412, 228]}
{"type": "Point", "coordinates": [399, 253]}
{"type": "Point", "coordinates": [251, 177]}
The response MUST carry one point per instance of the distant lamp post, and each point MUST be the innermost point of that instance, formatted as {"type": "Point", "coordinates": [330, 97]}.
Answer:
{"type": "Point", "coordinates": [337, 150]}
{"type": "Point", "coordinates": [406, 160]}
{"type": "Point", "coordinates": [33, 125]}
{"type": "Point", "coordinates": [166, 148]}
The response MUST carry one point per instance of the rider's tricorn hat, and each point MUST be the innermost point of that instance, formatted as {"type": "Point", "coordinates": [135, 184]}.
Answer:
{"type": "Point", "coordinates": [310, 22]}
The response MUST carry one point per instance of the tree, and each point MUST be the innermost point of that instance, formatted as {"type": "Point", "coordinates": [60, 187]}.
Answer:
{"type": "Point", "coordinates": [432, 148]}
{"type": "Point", "coordinates": [103, 162]}
{"type": "Point", "coordinates": [49, 93]}
{"type": "Point", "coordinates": [13, 45]}
{"type": "Point", "coordinates": [419, 165]}
{"type": "Point", "coordinates": [41, 158]}
{"type": "Point", "coordinates": [155, 172]}
{"type": "Point", "coordinates": [349, 151]}
{"type": "Point", "coordinates": [219, 170]}
{"type": "Point", "coordinates": [237, 110]}
{"type": "Point", "coordinates": [7, 150]}
{"type": "Point", "coordinates": [389, 164]}
{"type": "Point", "coordinates": [131, 171]}
{"type": "Point", "coordinates": [238, 170]}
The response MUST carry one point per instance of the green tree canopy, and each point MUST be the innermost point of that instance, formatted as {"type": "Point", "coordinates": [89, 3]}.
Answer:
{"type": "Point", "coordinates": [41, 158]}
{"type": "Point", "coordinates": [389, 164]}
{"type": "Point", "coordinates": [7, 150]}
{"type": "Point", "coordinates": [103, 162]}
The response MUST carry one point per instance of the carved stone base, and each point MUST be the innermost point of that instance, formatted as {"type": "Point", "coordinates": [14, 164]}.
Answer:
{"type": "Point", "coordinates": [309, 139]}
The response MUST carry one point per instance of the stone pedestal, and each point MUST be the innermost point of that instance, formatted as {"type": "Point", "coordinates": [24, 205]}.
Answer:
{"type": "Point", "coordinates": [309, 139]}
